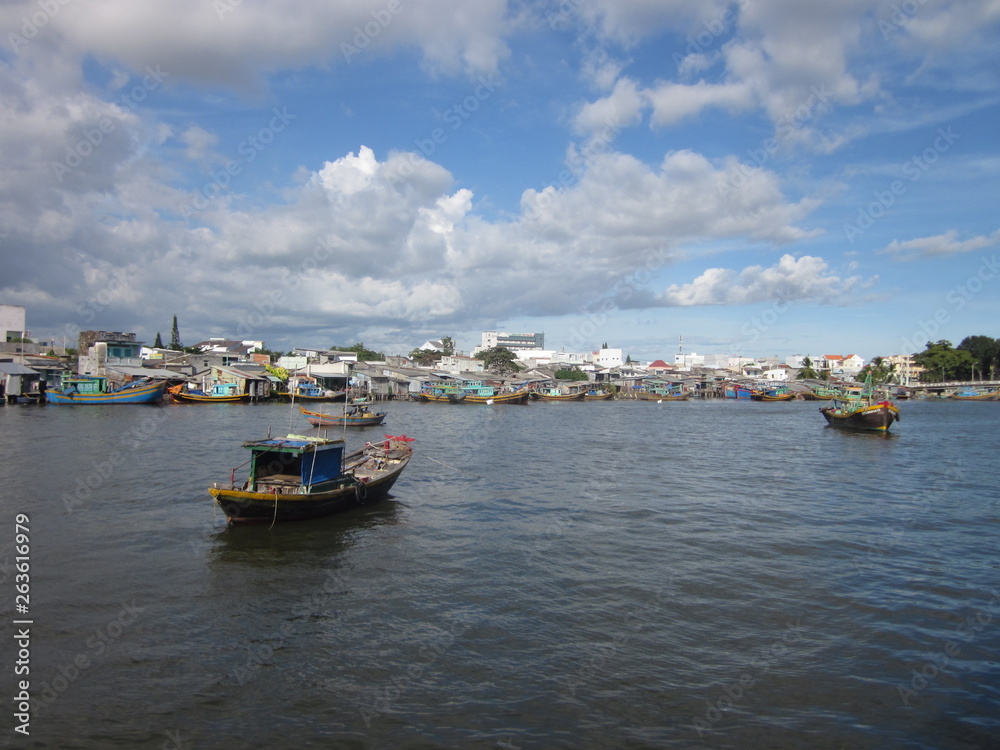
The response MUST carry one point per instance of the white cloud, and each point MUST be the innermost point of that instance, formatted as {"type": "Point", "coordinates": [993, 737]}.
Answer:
{"type": "Point", "coordinates": [940, 244]}
{"type": "Point", "coordinates": [806, 278]}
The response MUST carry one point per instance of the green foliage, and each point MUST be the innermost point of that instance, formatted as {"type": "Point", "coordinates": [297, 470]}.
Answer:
{"type": "Point", "coordinates": [880, 371]}
{"type": "Point", "coordinates": [942, 362]}
{"type": "Point", "coordinates": [571, 375]}
{"type": "Point", "coordinates": [499, 360]}
{"type": "Point", "coordinates": [449, 346]}
{"type": "Point", "coordinates": [279, 372]}
{"type": "Point", "coordinates": [986, 353]}
{"type": "Point", "coordinates": [425, 357]}
{"type": "Point", "coordinates": [807, 372]}
{"type": "Point", "coordinates": [175, 337]}
{"type": "Point", "coordinates": [158, 343]}
{"type": "Point", "coordinates": [364, 355]}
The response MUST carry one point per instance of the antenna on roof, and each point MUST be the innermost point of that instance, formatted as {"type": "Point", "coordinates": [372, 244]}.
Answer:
{"type": "Point", "coordinates": [680, 344]}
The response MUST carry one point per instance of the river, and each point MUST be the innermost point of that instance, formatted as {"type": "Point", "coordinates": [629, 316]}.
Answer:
{"type": "Point", "coordinates": [554, 575]}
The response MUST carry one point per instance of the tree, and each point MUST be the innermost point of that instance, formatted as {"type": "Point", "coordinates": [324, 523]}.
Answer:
{"type": "Point", "coordinates": [499, 360]}
{"type": "Point", "coordinates": [807, 371]}
{"type": "Point", "coordinates": [364, 354]}
{"type": "Point", "coordinates": [986, 353]}
{"type": "Point", "coordinates": [880, 370]}
{"type": "Point", "coordinates": [175, 337]}
{"type": "Point", "coordinates": [571, 375]}
{"type": "Point", "coordinates": [158, 344]}
{"type": "Point", "coordinates": [425, 357]}
{"type": "Point", "coordinates": [941, 362]}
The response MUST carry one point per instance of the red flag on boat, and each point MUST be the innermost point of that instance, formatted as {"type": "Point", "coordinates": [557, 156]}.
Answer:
{"type": "Point", "coordinates": [401, 438]}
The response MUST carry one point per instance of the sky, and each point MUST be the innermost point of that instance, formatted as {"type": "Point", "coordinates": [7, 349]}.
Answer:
{"type": "Point", "coordinates": [762, 177]}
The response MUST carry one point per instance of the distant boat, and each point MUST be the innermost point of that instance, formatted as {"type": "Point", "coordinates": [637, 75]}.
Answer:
{"type": "Point", "coordinates": [597, 395]}
{"type": "Point", "coordinates": [860, 409]}
{"type": "Point", "coordinates": [975, 394]}
{"type": "Point", "coordinates": [663, 393]}
{"type": "Point", "coordinates": [297, 477]}
{"type": "Point", "coordinates": [820, 393]}
{"type": "Point", "coordinates": [441, 394]}
{"type": "Point", "coordinates": [557, 394]}
{"type": "Point", "coordinates": [354, 417]}
{"type": "Point", "coordinates": [93, 390]}
{"type": "Point", "coordinates": [740, 391]}
{"type": "Point", "coordinates": [220, 393]}
{"type": "Point", "coordinates": [772, 393]}
{"type": "Point", "coordinates": [513, 397]}
{"type": "Point", "coordinates": [309, 392]}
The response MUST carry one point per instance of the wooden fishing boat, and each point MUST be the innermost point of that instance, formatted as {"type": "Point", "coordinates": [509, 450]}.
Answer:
{"type": "Point", "coordinates": [556, 394]}
{"type": "Point", "coordinates": [298, 477]}
{"type": "Point", "coordinates": [308, 392]}
{"type": "Point", "coordinates": [820, 393]}
{"type": "Point", "coordinates": [740, 391]}
{"type": "Point", "coordinates": [663, 393]}
{"type": "Point", "coordinates": [597, 395]}
{"type": "Point", "coordinates": [97, 391]}
{"type": "Point", "coordinates": [861, 415]}
{"type": "Point", "coordinates": [439, 394]}
{"type": "Point", "coordinates": [220, 393]}
{"type": "Point", "coordinates": [515, 397]}
{"type": "Point", "coordinates": [775, 393]}
{"type": "Point", "coordinates": [355, 416]}
{"type": "Point", "coordinates": [975, 394]}
{"type": "Point", "coordinates": [861, 408]}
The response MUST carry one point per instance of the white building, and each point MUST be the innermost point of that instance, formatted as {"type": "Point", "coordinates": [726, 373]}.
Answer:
{"type": "Point", "coordinates": [458, 363]}
{"type": "Point", "coordinates": [516, 342]}
{"type": "Point", "coordinates": [12, 321]}
{"type": "Point", "coordinates": [608, 358]}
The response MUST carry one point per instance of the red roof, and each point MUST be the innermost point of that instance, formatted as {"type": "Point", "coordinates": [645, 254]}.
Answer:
{"type": "Point", "coordinates": [659, 363]}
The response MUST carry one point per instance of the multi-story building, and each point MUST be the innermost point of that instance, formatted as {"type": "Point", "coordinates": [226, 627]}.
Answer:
{"type": "Point", "coordinates": [516, 342]}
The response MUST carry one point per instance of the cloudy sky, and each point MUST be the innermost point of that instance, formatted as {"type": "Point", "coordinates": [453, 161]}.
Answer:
{"type": "Point", "coordinates": [760, 177]}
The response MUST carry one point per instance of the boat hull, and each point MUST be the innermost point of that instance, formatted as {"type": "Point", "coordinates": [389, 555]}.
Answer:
{"type": "Point", "coordinates": [643, 396]}
{"type": "Point", "coordinates": [192, 398]}
{"type": "Point", "coordinates": [147, 394]}
{"type": "Point", "coordinates": [438, 398]}
{"type": "Point", "coordinates": [875, 417]}
{"type": "Point", "coordinates": [597, 396]}
{"type": "Point", "coordinates": [242, 507]}
{"type": "Point", "coordinates": [333, 397]}
{"type": "Point", "coordinates": [561, 397]}
{"type": "Point", "coordinates": [318, 419]}
{"type": "Point", "coordinates": [520, 397]}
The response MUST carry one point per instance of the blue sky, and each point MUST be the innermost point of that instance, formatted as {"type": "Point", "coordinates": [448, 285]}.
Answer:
{"type": "Point", "coordinates": [764, 177]}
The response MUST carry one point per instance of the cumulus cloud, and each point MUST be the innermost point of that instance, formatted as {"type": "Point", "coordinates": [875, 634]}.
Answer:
{"type": "Point", "coordinates": [805, 278]}
{"type": "Point", "coordinates": [940, 244]}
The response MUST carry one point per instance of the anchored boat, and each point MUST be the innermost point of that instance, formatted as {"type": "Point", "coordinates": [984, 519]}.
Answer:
{"type": "Point", "coordinates": [860, 409]}
{"type": "Point", "coordinates": [354, 416]}
{"type": "Point", "coordinates": [97, 391]}
{"type": "Point", "coordinates": [298, 477]}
